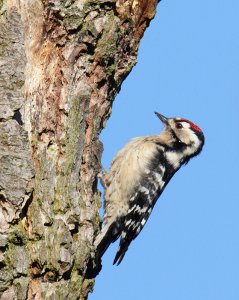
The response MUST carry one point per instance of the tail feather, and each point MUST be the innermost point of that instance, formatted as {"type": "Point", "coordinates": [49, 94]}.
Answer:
{"type": "Point", "coordinates": [123, 247]}
{"type": "Point", "coordinates": [108, 235]}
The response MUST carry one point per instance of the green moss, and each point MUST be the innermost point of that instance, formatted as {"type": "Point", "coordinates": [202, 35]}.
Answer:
{"type": "Point", "coordinates": [56, 205]}
{"type": "Point", "coordinates": [111, 70]}
{"type": "Point", "coordinates": [73, 21]}
{"type": "Point", "coordinates": [87, 287]}
{"type": "Point", "coordinates": [74, 17]}
{"type": "Point", "coordinates": [106, 47]}
{"type": "Point", "coordinates": [17, 238]}
{"type": "Point", "coordinates": [81, 254]}
{"type": "Point", "coordinates": [1, 5]}
{"type": "Point", "coordinates": [75, 133]}
{"type": "Point", "coordinates": [17, 259]}
{"type": "Point", "coordinates": [74, 142]}
{"type": "Point", "coordinates": [6, 279]}
{"type": "Point", "coordinates": [21, 285]}
{"type": "Point", "coordinates": [97, 198]}
{"type": "Point", "coordinates": [88, 27]}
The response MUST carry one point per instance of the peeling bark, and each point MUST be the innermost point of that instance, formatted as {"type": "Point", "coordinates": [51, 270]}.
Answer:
{"type": "Point", "coordinates": [61, 65]}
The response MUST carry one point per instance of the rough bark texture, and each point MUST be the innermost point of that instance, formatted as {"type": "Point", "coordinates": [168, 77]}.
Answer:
{"type": "Point", "coordinates": [61, 65]}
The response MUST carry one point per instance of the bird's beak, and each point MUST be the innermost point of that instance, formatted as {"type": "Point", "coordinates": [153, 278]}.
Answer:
{"type": "Point", "coordinates": [161, 117]}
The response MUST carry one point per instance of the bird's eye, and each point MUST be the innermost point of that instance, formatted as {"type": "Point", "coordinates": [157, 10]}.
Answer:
{"type": "Point", "coordinates": [179, 125]}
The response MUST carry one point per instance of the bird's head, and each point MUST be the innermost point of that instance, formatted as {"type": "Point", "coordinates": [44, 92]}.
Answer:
{"type": "Point", "coordinates": [184, 133]}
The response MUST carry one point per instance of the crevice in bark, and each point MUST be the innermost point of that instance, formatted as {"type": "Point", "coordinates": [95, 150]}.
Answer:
{"type": "Point", "coordinates": [23, 213]}
{"type": "Point", "coordinates": [67, 274]}
{"type": "Point", "coordinates": [2, 264]}
{"type": "Point", "coordinates": [75, 230]}
{"type": "Point", "coordinates": [35, 269]}
{"type": "Point", "coordinates": [18, 117]}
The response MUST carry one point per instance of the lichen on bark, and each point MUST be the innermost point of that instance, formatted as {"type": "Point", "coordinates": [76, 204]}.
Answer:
{"type": "Point", "coordinates": [62, 64]}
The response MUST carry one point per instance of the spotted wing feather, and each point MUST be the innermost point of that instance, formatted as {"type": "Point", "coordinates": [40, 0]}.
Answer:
{"type": "Point", "coordinates": [141, 205]}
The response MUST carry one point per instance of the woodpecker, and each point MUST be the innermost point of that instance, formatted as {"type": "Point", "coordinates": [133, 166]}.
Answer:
{"type": "Point", "coordinates": [137, 177]}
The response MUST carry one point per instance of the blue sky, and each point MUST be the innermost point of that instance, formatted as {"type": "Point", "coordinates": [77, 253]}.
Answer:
{"type": "Point", "coordinates": [188, 66]}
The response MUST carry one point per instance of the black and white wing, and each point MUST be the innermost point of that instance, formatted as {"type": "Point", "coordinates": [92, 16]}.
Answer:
{"type": "Point", "coordinates": [142, 203]}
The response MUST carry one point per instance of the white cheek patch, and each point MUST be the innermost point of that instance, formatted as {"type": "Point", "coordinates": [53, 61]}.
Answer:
{"type": "Point", "coordinates": [188, 136]}
{"type": "Point", "coordinates": [173, 158]}
{"type": "Point", "coordinates": [185, 124]}
{"type": "Point", "coordinates": [195, 140]}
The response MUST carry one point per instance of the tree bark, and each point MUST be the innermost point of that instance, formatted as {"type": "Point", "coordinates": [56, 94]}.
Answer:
{"type": "Point", "coordinates": [61, 66]}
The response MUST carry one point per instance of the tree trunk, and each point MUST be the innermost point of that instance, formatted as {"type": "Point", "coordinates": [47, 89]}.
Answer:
{"type": "Point", "coordinates": [61, 66]}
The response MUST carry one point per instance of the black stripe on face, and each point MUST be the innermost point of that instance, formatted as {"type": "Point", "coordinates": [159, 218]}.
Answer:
{"type": "Point", "coordinates": [178, 144]}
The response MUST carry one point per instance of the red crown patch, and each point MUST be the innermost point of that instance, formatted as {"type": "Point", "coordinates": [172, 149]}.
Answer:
{"type": "Point", "coordinates": [195, 127]}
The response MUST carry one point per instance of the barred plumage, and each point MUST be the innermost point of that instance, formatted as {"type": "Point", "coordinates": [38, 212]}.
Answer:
{"type": "Point", "coordinates": [138, 176]}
